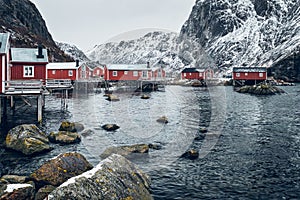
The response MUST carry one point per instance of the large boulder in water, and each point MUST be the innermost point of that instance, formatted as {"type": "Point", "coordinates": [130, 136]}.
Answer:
{"type": "Point", "coordinates": [28, 139]}
{"type": "Point", "coordinates": [110, 127]}
{"type": "Point", "coordinates": [17, 191]}
{"type": "Point", "coordinates": [64, 137]}
{"type": "Point", "coordinates": [58, 170]}
{"type": "Point", "coordinates": [113, 178]}
{"type": "Point", "coordinates": [125, 150]}
{"type": "Point", "coordinates": [71, 126]}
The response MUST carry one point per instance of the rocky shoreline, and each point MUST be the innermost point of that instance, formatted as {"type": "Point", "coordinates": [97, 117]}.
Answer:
{"type": "Point", "coordinates": [69, 175]}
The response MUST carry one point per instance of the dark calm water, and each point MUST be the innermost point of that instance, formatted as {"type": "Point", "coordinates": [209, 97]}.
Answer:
{"type": "Point", "coordinates": [251, 151]}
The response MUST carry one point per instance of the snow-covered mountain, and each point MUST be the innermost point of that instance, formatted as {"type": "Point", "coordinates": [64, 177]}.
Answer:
{"type": "Point", "coordinates": [154, 47]}
{"type": "Point", "coordinates": [221, 34]}
{"type": "Point", "coordinates": [248, 33]}
{"type": "Point", "coordinates": [73, 51]}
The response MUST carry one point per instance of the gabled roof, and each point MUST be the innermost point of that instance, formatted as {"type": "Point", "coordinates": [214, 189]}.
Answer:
{"type": "Point", "coordinates": [249, 69]}
{"type": "Point", "coordinates": [4, 41]}
{"type": "Point", "coordinates": [133, 67]}
{"type": "Point", "coordinates": [28, 55]}
{"type": "Point", "coordinates": [192, 70]}
{"type": "Point", "coordinates": [62, 65]}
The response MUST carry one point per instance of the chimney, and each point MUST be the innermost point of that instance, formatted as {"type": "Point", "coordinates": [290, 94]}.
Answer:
{"type": "Point", "coordinates": [77, 63]}
{"type": "Point", "coordinates": [148, 64]}
{"type": "Point", "coordinates": [40, 51]}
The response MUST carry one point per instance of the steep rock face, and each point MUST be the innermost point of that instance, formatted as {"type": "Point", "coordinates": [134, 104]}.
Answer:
{"type": "Point", "coordinates": [73, 51]}
{"type": "Point", "coordinates": [248, 33]}
{"type": "Point", "coordinates": [22, 19]}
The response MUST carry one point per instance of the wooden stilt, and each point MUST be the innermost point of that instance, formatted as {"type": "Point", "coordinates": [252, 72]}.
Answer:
{"type": "Point", "coordinates": [39, 107]}
{"type": "Point", "coordinates": [0, 110]}
{"type": "Point", "coordinates": [66, 99]}
{"type": "Point", "coordinates": [12, 103]}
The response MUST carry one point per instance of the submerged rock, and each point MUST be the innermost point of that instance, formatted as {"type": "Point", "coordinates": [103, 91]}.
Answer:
{"type": "Point", "coordinates": [110, 127]}
{"type": "Point", "coordinates": [113, 178]}
{"type": "Point", "coordinates": [111, 97]}
{"type": "Point", "coordinates": [125, 150]}
{"type": "Point", "coordinates": [28, 139]}
{"type": "Point", "coordinates": [163, 120]}
{"type": "Point", "coordinates": [144, 96]}
{"type": "Point", "coordinates": [262, 89]}
{"type": "Point", "coordinates": [191, 154]}
{"type": "Point", "coordinates": [17, 191]}
{"type": "Point", "coordinates": [58, 170]}
{"type": "Point", "coordinates": [64, 137]}
{"type": "Point", "coordinates": [71, 126]}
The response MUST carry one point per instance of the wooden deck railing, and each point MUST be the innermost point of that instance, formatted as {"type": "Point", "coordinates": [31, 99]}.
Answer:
{"type": "Point", "coordinates": [23, 87]}
{"type": "Point", "coordinates": [56, 83]}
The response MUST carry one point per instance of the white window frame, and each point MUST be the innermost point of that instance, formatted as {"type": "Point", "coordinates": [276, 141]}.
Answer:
{"type": "Point", "coordinates": [70, 72]}
{"type": "Point", "coordinates": [246, 73]}
{"type": "Point", "coordinates": [159, 73]}
{"type": "Point", "coordinates": [53, 71]}
{"type": "Point", "coordinates": [98, 72]}
{"type": "Point", "coordinates": [115, 73]}
{"type": "Point", "coordinates": [238, 75]}
{"type": "Point", "coordinates": [28, 71]}
{"type": "Point", "coordinates": [135, 73]}
{"type": "Point", "coordinates": [125, 72]}
{"type": "Point", "coordinates": [184, 74]}
{"type": "Point", "coordinates": [200, 74]}
{"type": "Point", "coordinates": [145, 74]}
{"type": "Point", "coordinates": [261, 75]}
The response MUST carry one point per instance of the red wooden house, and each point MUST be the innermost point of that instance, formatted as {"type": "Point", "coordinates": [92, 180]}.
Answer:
{"type": "Point", "coordinates": [123, 72]}
{"type": "Point", "coordinates": [28, 63]}
{"type": "Point", "coordinates": [158, 73]}
{"type": "Point", "coordinates": [98, 72]}
{"type": "Point", "coordinates": [193, 74]}
{"type": "Point", "coordinates": [62, 71]}
{"type": "Point", "coordinates": [4, 59]}
{"type": "Point", "coordinates": [84, 72]}
{"type": "Point", "coordinates": [249, 75]}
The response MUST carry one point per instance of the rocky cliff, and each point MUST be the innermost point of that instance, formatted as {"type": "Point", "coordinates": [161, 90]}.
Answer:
{"type": "Point", "coordinates": [248, 33]}
{"type": "Point", "coordinates": [27, 27]}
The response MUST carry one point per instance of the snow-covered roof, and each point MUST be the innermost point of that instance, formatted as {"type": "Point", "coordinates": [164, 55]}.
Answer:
{"type": "Point", "coordinates": [249, 69]}
{"type": "Point", "coordinates": [62, 65]}
{"type": "Point", "coordinates": [4, 38]}
{"type": "Point", "coordinates": [127, 67]}
{"type": "Point", "coordinates": [192, 70]}
{"type": "Point", "coordinates": [28, 55]}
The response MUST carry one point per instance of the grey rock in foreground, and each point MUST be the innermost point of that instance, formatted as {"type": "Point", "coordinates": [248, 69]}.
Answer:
{"type": "Point", "coordinates": [28, 139]}
{"type": "Point", "coordinates": [113, 178]}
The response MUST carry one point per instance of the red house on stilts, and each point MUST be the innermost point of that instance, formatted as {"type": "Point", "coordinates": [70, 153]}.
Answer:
{"type": "Point", "coordinates": [248, 75]}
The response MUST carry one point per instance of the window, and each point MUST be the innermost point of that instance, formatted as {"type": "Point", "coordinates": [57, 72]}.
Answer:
{"type": "Point", "coordinates": [159, 73]}
{"type": "Point", "coordinates": [145, 74]}
{"type": "Point", "coordinates": [184, 74]}
{"type": "Point", "coordinates": [238, 74]}
{"type": "Point", "coordinates": [190, 74]}
{"type": "Point", "coordinates": [28, 71]}
{"type": "Point", "coordinates": [98, 72]}
{"type": "Point", "coordinates": [70, 72]}
{"type": "Point", "coordinates": [261, 75]}
{"type": "Point", "coordinates": [200, 74]}
{"type": "Point", "coordinates": [246, 74]}
{"type": "Point", "coordinates": [125, 72]}
{"type": "Point", "coordinates": [115, 73]}
{"type": "Point", "coordinates": [53, 72]}
{"type": "Point", "coordinates": [135, 73]}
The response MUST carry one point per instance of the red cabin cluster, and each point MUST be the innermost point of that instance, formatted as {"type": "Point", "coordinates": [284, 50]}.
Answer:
{"type": "Point", "coordinates": [123, 72]}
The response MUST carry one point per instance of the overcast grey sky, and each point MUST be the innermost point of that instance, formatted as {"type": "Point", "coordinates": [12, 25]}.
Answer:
{"type": "Point", "coordinates": [86, 23]}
